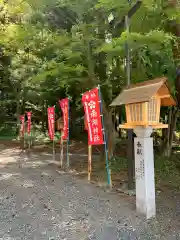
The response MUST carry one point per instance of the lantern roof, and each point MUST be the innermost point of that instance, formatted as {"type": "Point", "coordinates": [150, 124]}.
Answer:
{"type": "Point", "coordinates": [144, 91]}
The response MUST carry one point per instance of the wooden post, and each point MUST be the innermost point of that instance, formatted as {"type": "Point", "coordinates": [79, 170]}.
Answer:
{"type": "Point", "coordinates": [61, 152]}
{"type": "Point", "coordinates": [24, 143]}
{"type": "Point", "coordinates": [67, 151]}
{"type": "Point", "coordinates": [29, 145]}
{"type": "Point", "coordinates": [29, 142]}
{"type": "Point", "coordinates": [89, 162]}
{"type": "Point", "coordinates": [110, 178]}
{"type": "Point", "coordinates": [53, 150]}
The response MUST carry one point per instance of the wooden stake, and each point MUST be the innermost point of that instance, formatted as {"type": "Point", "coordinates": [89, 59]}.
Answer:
{"type": "Point", "coordinates": [110, 178]}
{"type": "Point", "coordinates": [89, 162]}
{"type": "Point", "coordinates": [61, 152]}
{"type": "Point", "coordinates": [68, 135]}
{"type": "Point", "coordinates": [67, 144]}
{"type": "Point", "coordinates": [24, 143]}
{"type": "Point", "coordinates": [29, 142]}
{"type": "Point", "coordinates": [53, 150]}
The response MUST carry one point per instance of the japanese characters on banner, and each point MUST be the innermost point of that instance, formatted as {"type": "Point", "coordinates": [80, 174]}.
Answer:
{"type": "Point", "coordinates": [64, 104]}
{"type": "Point", "coordinates": [22, 120]}
{"type": "Point", "coordinates": [29, 114]}
{"type": "Point", "coordinates": [51, 118]}
{"type": "Point", "coordinates": [91, 103]}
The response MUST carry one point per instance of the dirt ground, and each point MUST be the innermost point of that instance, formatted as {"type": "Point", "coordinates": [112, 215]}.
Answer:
{"type": "Point", "coordinates": [38, 200]}
{"type": "Point", "coordinates": [77, 148]}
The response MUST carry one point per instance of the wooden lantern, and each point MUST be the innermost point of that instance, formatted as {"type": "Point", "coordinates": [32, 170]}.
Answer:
{"type": "Point", "coordinates": [143, 102]}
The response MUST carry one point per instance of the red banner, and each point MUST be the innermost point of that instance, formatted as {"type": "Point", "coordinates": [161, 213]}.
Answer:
{"type": "Point", "coordinates": [91, 104]}
{"type": "Point", "coordinates": [29, 114]}
{"type": "Point", "coordinates": [22, 120]}
{"type": "Point", "coordinates": [51, 118]}
{"type": "Point", "coordinates": [64, 104]}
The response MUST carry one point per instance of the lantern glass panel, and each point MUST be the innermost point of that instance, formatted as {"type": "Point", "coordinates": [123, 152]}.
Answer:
{"type": "Point", "coordinates": [153, 106]}
{"type": "Point", "coordinates": [136, 112]}
{"type": "Point", "coordinates": [144, 113]}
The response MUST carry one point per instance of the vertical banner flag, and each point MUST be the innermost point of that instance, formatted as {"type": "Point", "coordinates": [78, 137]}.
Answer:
{"type": "Point", "coordinates": [22, 120]}
{"type": "Point", "coordinates": [64, 104]}
{"type": "Point", "coordinates": [29, 114]}
{"type": "Point", "coordinates": [91, 102]}
{"type": "Point", "coordinates": [51, 117]}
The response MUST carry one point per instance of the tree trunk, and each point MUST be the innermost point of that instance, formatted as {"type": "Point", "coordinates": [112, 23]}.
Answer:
{"type": "Point", "coordinates": [119, 122]}
{"type": "Point", "coordinates": [172, 120]}
{"type": "Point", "coordinates": [43, 125]}
{"type": "Point", "coordinates": [102, 72]}
{"type": "Point", "coordinates": [18, 112]}
{"type": "Point", "coordinates": [43, 116]}
{"type": "Point", "coordinates": [110, 131]}
{"type": "Point", "coordinates": [173, 113]}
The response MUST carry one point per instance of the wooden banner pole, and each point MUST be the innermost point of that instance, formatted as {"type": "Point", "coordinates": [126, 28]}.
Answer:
{"type": "Point", "coordinates": [20, 139]}
{"type": "Point", "coordinates": [29, 142]}
{"type": "Point", "coordinates": [105, 143]}
{"type": "Point", "coordinates": [23, 142]}
{"type": "Point", "coordinates": [89, 162]}
{"type": "Point", "coordinates": [61, 152]}
{"type": "Point", "coordinates": [68, 136]}
{"type": "Point", "coordinates": [67, 153]}
{"type": "Point", "coordinates": [53, 150]}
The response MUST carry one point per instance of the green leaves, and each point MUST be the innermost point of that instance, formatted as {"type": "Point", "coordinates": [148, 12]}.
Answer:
{"type": "Point", "coordinates": [154, 40]}
{"type": "Point", "coordinates": [64, 47]}
{"type": "Point", "coordinates": [113, 4]}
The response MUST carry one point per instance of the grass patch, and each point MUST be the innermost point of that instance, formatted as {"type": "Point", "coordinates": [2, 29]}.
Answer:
{"type": "Point", "coordinates": [167, 170]}
{"type": "Point", "coordinates": [8, 131]}
{"type": "Point", "coordinates": [39, 137]}
{"type": "Point", "coordinates": [118, 163]}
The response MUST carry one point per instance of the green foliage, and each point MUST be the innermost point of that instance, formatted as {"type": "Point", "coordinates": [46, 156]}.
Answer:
{"type": "Point", "coordinates": [62, 48]}
{"type": "Point", "coordinates": [118, 164]}
{"type": "Point", "coordinates": [8, 130]}
{"type": "Point", "coordinates": [167, 170]}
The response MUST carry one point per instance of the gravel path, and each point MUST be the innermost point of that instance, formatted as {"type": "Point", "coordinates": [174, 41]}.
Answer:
{"type": "Point", "coordinates": [37, 202]}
